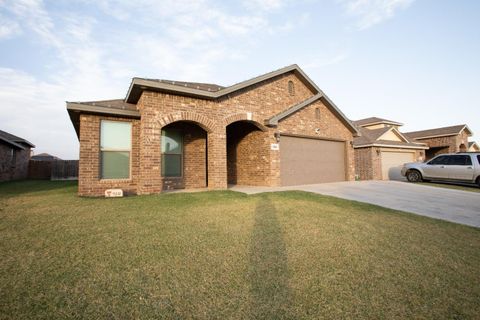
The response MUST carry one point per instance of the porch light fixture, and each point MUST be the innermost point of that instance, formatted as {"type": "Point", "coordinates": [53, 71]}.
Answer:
{"type": "Point", "coordinates": [277, 136]}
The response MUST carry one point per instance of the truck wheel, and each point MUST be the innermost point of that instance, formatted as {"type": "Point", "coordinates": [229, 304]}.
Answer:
{"type": "Point", "coordinates": [414, 176]}
{"type": "Point", "coordinates": [478, 182]}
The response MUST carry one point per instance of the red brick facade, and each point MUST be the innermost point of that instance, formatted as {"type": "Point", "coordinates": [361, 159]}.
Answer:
{"type": "Point", "coordinates": [225, 139]}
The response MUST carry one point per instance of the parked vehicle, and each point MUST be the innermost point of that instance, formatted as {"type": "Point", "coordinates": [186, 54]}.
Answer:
{"type": "Point", "coordinates": [461, 167]}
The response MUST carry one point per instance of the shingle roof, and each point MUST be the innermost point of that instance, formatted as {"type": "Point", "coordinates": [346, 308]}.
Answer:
{"type": "Point", "coordinates": [438, 132]}
{"type": "Point", "coordinates": [209, 91]}
{"type": "Point", "coordinates": [374, 120]}
{"type": "Point", "coordinates": [370, 137]}
{"type": "Point", "coordinates": [118, 104]}
{"type": "Point", "coordinates": [210, 87]}
{"type": "Point", "coordinates": [14, 140]}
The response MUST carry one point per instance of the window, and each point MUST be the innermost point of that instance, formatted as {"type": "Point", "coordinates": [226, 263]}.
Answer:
{"type": "Point", "coordinates": [442, 160]}
{"type": "Point", "coordinates": [291, 88]}
{"type": "Point", "coordinates": [172, 153]}
{"type": "Point", "coordinates": [317, 113]}
{"type": "Point", "coordinates": [460, 160]}
{"type": "Point", "coordinates": [115, 149]}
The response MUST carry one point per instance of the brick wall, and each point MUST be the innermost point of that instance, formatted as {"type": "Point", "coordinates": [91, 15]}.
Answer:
{"type": "Point", "coordinates": [364, 163]}
{"type": "Point", "coordinates": [247, 155]}
{"type": "Point", "coordinates": [368, 161]}
{"type": "Point", "coordinates": [262, 100]}
{"type": "Point", "coordinates": [89, 182]}
{"type": "Point", "coordinates": [17, 170]}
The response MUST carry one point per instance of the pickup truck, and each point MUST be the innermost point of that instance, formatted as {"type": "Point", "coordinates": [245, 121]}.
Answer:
{"type": "Point", "coordinates": [461, 167]}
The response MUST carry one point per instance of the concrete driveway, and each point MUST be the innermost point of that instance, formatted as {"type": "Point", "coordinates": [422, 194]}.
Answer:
{"type": "Point", "coordinates": [447, 204]}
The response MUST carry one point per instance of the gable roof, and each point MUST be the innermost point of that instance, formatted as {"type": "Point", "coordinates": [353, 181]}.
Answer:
{"type": "Point", "coordinates": [127, 107]}
{"type": "Point", "coordinates": [372, 138]}
{"type": "Point", "coordinates": [139, 84]}
{"type": "Point", "coordinates": [473, 143]}
{"type": "Point", "coordinates": [15, 141]}
{"type": "Point", "coordinates": [439, 132]}
{"type": "Point", "coordinates": [375, 120]}
{"type": "Point", "coordinates": [273, 121]}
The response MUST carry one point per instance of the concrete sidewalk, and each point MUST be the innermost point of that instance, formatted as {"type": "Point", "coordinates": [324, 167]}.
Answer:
{"type": "Point", "coordinates": [441, 203]}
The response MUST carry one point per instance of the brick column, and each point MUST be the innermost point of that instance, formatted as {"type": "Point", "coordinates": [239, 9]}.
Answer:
{"type": "Point", "coordinates": [217, 159]}
{"type": "Point", "coordinates": [150, 180]}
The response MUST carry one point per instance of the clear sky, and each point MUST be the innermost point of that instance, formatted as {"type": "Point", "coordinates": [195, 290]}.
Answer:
{"type": "Point", "coordinates": [412, 61]}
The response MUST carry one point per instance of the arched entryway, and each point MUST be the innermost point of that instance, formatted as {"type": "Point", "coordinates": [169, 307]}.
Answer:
{"type": "Point", "coordinates": [463, 148]}
{"type": "Point", "coordinates": [247, 154]}
{"type": "Point", "coordinates": [183, 156]}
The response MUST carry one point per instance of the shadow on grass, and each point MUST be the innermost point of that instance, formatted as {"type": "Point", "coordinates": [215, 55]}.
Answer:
{"type": "Point", "coordinates": [270, 293]}
{"type": "Point", "coordinates": [12, 188]}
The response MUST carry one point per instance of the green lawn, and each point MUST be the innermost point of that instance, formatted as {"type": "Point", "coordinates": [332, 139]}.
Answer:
{"type": "Point", "coordinates": [225, 255]}
{"type": "Point", "coordinates": [471, 188]}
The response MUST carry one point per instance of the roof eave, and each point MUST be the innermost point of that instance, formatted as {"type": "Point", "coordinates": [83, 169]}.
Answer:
{"type": "Point", "coordinates": [12, 143]}
{"type": "Point", "coordinates": [74, 110]}
{"type": "Point", "coordinates": [368, 145]}
{"type": "Point", "coordinates": [381, 122]}
{"type": "Point", "coordinates": [433, 136]}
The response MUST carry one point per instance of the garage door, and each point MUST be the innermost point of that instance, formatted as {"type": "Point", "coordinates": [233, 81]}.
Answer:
{"type": "Point", "coordinates": [306, 161]}
{"type": "Point", "coordinates": [392, 163]}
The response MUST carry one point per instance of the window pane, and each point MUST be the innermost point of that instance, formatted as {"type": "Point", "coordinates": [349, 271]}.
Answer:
{"type": "Point", "coordinates": [440, 160]}
{"type": "Point", "coordinates": [116, 135]}
{"type": "Point", "coordinates": [115, 165]}
{"type": "Point", "coordinates": [460, 160]}
{"type": "Point", "coordinates": [171, 141]}
{"type": "Point", "coordinates": [171, 165]}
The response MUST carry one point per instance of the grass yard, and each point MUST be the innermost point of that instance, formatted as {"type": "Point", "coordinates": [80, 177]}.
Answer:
{"type": "Point", "coordinates": [225, 255]}
{"type": "Point", "coordinates": [463, 187]}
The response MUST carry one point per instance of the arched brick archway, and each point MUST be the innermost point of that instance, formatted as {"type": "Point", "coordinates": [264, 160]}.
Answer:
{"type": "Point", "coordinates": [245, 116]}
{"type": "Point", "coordinates": [205, 123]}
{"type": "Point", "coordinates": [248, 161]}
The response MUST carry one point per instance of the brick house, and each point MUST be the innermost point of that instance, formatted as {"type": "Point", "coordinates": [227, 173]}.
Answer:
{"type": "Point", "coordinates": [443, 140]}
{"type": "Point", "coordinates": [14, 157]}
{"type": "Point", "coordinates": [275, 129]}
{"type": "Point", "coordinates": [381, 149]}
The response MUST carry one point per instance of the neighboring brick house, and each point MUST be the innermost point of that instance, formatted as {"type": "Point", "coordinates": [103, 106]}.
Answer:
{"type": "Point", "coordinates": [443, 140]}
{"type": "Point", "coordinates": [381, 149]}
{"type": "Point", "coordinates": [276, 129]}
{"type": "Point", "coordinates": [473, 147]}
{"type": "Point", "coordinates": [14, 156]}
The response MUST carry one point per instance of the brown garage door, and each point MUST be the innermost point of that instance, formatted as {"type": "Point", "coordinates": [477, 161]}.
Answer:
{"type": "Point", "coordinates": [306, 161]}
